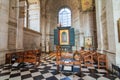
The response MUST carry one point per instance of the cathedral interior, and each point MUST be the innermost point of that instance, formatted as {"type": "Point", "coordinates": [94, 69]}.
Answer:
{"type": "Point", "coordinates": [59, 39]}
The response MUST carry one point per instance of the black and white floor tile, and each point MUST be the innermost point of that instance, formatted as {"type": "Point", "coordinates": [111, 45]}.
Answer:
{"type": "Point", "coordinates": [47, 70]}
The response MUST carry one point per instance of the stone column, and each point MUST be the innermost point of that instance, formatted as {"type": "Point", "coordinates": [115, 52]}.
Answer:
{"type": "Point", "coordinates": [20, 24]}
{"type": "Point", "coordinates": [4, 17]}
{"type": "Point", "coordinates": [43, 25]}
{"type": "Point", "coordinates": [98, 21]}
{"type": "Point", "coordinates": [48, 34]}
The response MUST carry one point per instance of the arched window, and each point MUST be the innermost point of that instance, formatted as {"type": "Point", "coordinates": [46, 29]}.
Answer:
{"type": "Point", "coordinates": [65, 17]}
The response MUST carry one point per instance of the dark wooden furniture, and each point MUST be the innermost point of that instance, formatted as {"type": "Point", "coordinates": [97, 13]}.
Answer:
{"type": "Point", "coordinates": [8, 58]}
{"type": "Point", "coordinates": [31, 56]}
{"type": "Point", "coordinates": [116, 70]}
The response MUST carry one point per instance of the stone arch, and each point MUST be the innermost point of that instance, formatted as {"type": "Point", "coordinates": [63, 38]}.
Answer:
{"type": "Point", "coordinates": [64, 6]}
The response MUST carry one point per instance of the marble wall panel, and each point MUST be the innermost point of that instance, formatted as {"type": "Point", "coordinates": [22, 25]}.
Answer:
{"type": "Point", "coordinates": [31, 40]}
{"type": "Point", "coordinates": [4, 16]}
{"type": "Point", "coordinates": [12, 38]}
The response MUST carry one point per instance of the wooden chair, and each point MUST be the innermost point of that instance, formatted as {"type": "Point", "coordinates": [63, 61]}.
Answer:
{"type": "Point", "coordinates": [38, 54]}
{"type": "Point", "coordinates": [30, 57]}
{"type": "Point", "coordinates": [20, 57]}
{"type": "Point", "coordinates": [88, 59]}
{"type": "Point", "coordinates": [78, 59]}
{"type": "Point", "coordinates": [102, 61]}
{"type": "Point", "coordinates": [11, 58]}
{"type": "Point", "coordinates": [8, 58]}
{"type": "Point", "coordinates": [58, 57]}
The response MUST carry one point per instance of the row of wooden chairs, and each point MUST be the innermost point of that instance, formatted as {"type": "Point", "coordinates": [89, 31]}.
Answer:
{"type": "Point", "coordinates": [86, 57]}
{"type": "Point", "coordinates": [90, 57]}
{"type": "Point", "coordinates": [63, 57]}
{"type": "Point", "coordinates": [30, 56]}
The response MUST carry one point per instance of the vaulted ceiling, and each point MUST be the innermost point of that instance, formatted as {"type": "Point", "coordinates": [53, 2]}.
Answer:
{"type": "Point", "coordinates": [53, 6]}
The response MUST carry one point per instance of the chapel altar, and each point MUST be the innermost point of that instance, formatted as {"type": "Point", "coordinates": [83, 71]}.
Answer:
{"type": "Point", "coordinates": [64, 37]}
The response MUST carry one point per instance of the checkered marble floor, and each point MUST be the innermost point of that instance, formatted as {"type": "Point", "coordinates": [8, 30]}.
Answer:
{"type": "Point", "coordinates": [47, 70]}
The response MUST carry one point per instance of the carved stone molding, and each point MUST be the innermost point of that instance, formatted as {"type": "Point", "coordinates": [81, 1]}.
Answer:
{"type": "Point", "coordinates": [32, 31]}
{"type": "Point", "coordinates": [49, 34]}
{"type": "Point", "coordinates": [12, 23]}
{"type": "Point", "coordinates": [21, 0]}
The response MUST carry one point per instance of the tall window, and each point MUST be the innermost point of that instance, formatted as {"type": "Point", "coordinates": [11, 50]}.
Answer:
{"type": "Point", "coordinates": [34, 17]}
{"type": "Point", "coordinates": [65, 17]}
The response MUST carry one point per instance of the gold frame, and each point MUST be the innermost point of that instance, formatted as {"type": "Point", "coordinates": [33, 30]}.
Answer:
{"type": "Point", "coordinates": [88, 42]}
{"type": "Point", "coordinates": [64, 40]}
{"type": "Point", "coordinates": [87, 5]}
